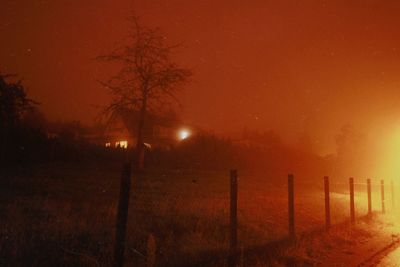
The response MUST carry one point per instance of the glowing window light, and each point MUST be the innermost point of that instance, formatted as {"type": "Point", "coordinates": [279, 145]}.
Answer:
{"type": "Point", "coordinates": [183, 134]}
{"type": "Point", "coordinates": [122, 144]}
{"type": "Point", "coordinates": [108, 144]}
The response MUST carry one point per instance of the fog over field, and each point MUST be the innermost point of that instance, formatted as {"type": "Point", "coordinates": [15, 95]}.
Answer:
{"type": "Point", "coordinates": [199, 133]}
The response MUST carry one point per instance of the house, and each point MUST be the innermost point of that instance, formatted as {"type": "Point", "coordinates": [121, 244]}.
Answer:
{"type": "Point", "coordinates": [158, 131]}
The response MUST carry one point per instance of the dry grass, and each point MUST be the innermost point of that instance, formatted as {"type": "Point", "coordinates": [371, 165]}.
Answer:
{"type": "Point", "coordinates": [64, 215]}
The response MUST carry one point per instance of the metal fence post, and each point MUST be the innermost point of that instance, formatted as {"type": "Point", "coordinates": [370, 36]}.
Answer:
{"type": "Point", "coordinates": [232, 261]}
{"type": "Point", "coordinates": [292, 234]}
{"type": "Point", "coordinates": [383, 196]}
{"type": "Point", "coordinates": [327, 204]}
{"type": "Point", "coordinates": [369, 196]}
{"type": "Point", "coordinates": [392, 193]}
{"type": "Point", "coordinates": [352, 212]}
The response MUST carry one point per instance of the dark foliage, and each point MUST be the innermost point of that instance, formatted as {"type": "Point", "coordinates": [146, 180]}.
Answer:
{"type": "Point", "coordinates": [257, 152]}
{"type": "Point", "coordinates": [13, 103]}
{"type": "Point", "coordinates": [27, 138]}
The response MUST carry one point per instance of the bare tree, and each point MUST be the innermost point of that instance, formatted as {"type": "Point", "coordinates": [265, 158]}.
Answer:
{"type": "Point", "coordinates": [14, 103]}
{"type": "Point", "coordinates": [147, 81]}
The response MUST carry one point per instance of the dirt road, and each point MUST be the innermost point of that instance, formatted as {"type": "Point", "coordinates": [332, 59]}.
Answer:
{"type": "Point", "coordinates": [390, 260]}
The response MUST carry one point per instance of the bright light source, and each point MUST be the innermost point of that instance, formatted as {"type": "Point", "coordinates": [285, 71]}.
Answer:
{"type": "Point", "coordinates": [121, 144]}
{"type": "Point", "coordinates": [183, 134]}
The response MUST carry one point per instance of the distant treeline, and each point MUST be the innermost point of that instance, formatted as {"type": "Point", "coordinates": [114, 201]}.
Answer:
{"type": "Point", "coordinates": [29, 142]}
{"type": "Point", "coordinates": [26, 137]}
{"type": "Point", "coordinates": [209, 152]}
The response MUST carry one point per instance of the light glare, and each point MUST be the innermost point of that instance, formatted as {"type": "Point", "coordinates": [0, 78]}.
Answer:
{"type": "Point", "coordinates": [183, 134]}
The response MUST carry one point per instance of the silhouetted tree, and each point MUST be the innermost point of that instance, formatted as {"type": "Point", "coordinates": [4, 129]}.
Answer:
{"type": "Point", "coordinates": [147, 81]}
{"type": "Point", "coordinates": [13, 104]}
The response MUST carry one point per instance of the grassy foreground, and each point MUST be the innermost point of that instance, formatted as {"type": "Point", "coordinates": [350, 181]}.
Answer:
{"type": "Point", "coordinates": [64, 214]}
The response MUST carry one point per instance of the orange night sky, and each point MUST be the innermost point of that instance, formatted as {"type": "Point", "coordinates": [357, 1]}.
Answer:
{"type": "Point", "coordinates": [292, 66]}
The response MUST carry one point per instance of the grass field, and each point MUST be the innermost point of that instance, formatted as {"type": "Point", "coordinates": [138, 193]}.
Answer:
{"type": "Point", "coordinates": [64, 214]}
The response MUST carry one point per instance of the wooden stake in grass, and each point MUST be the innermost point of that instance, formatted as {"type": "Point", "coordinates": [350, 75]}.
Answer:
{"type": "Point", "coordinates": [292, 234]}
{"type": "Point", "coordinates": [327, 204]}
{"type": "Point", "coordinates": [352, 211]}
{"type": "Point", "coordinates": [122, 216]}
{"type": "Point", "coordinates": [151, 251]}
{"type": "Point", "coordinates": [232, 261]}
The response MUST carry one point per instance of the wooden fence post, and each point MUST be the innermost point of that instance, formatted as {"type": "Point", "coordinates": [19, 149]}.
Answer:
{"type": "Point", "coordinates": [232, 261]}
{"type": "Point", "coordinates": [292, 234]}
{"type": "Point", "coordinates": [369, 196]}
{"type": "Point", "coordinates": [352, 212]}
{"type": "Point", "coordinates": [383, 196]}
{"type": "Point", "coordinates": [327, 204]}
{"type": "Point", "coordinates": [122, 216]}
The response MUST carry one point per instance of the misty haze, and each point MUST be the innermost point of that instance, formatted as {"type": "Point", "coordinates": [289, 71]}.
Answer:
{"type": "Point", "coordinates": [199, 133]}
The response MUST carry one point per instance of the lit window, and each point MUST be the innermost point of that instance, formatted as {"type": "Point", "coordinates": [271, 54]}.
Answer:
{"type": "Point", "coordinates": [108, 144]}
{"type": "Point", "coordinates": [121, 144]}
